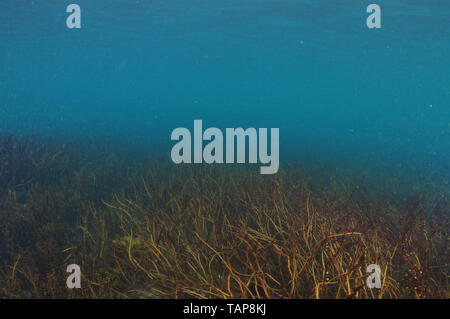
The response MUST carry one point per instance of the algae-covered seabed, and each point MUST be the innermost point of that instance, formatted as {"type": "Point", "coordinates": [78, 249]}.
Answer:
{"type": "Point", "coordinates": [140, 229]}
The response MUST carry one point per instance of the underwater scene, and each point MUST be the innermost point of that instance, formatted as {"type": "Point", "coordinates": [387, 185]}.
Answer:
{"type": "Point", "coordinates": [211, 149]}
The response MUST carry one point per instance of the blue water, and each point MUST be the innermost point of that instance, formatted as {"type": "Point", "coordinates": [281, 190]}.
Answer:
{"type": "Point", "coordinates": [138, 69]}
